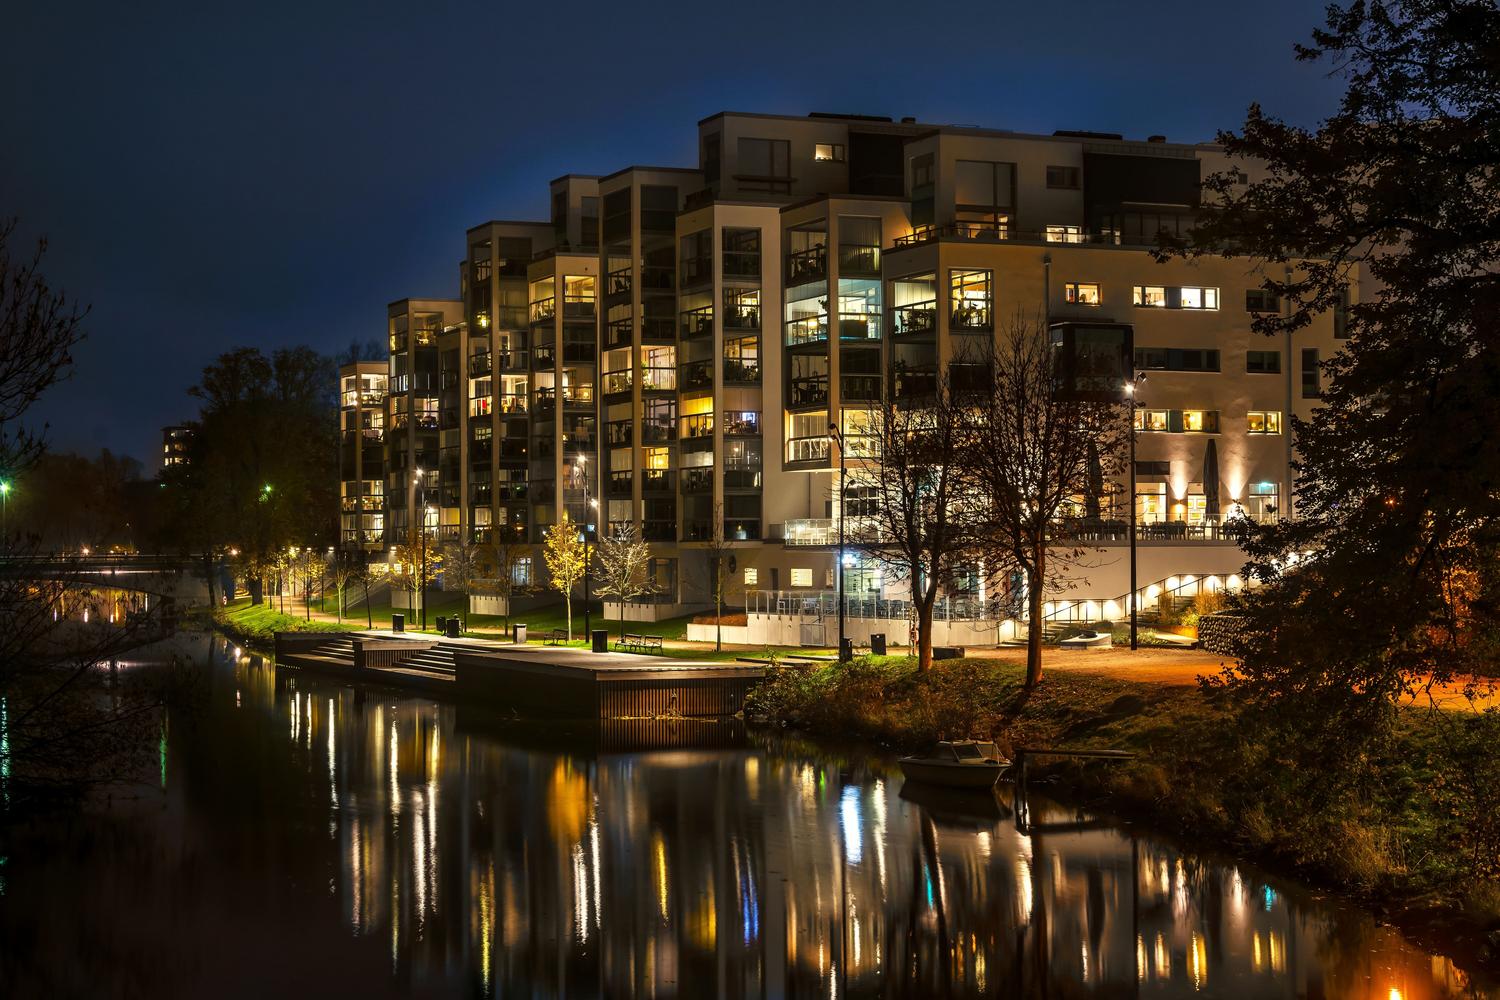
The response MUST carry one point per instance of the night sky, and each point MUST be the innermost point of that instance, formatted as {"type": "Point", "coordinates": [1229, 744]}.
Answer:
{"type": "Point", "coordinates": [213, 175]}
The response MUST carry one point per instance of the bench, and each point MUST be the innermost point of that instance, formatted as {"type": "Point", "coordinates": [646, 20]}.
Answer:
{"type": "Point", "coordinates": [555, 636]}
{"type": "Point", "coordinates": [631, 642]}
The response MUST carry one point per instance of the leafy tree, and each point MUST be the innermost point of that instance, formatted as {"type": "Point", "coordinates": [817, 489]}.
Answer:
{"type": "Point", "coordinates": [411, 570]}
{"type": "Point", "coordinates": [1027, 454]}
{"type": "Point", "coordinates": [509, 549]}
{"type": "Point", "coordinates": [1387, 578]}
{"type": "Point", "coordinates": [623, 559]}
{"type": "Point", "coordinates": [564, 553]}
{"type": "Point", "coordinates": [913, 516]}
{"type": "Point", "coordinates": [343, 570]}
{"type": "Point", "coordinates": [465, 564]}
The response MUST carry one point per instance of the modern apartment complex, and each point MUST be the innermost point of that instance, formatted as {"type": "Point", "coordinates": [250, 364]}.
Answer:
{"type": "Point", "coordinates": [176, 445]}
{"type": "Point", "coordinates": [675, 342]}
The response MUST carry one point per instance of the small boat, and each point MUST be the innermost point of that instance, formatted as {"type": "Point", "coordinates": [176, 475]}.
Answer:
{"type": "Point", "coordinates": [957, 764]}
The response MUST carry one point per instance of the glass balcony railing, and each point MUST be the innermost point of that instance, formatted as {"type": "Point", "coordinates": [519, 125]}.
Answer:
{"type": "Point", "coordinates": [699, 425]}
{"type": "Point", "coordinates": [697, 322]}
{"type": "Point", "coordinates": [697, 375]}
{"type": "Point", "coordinates": [859, 326]}
{"type": "Point", "coordinates": [658, 431]}
{"type": "Point", "coordinates": [856, 260]}
{"type": "Point", "coordinates": [618, 333]}
{"type": "Point", "coordinates": [658, 379]}
{"type": "Point", "coordinates": [742, 317]}
{"type": "Point", "coordinates": [618, 282]}
{"type": "Point", "coordinates": [742, 264]}
{"type": "Point", "coordinates": [807, 449]}
{"type": "Point", "coordinates": [807, 330]}
{"type": "Point", "coordinates": [811, 390]}
{"type": "Point", "coordinates": [917, 317]}
{"type": "Point", "coordinates": [618, 381]}
{"type": "Point", "coordinates": [479, 365]}
{"type": "Point", "coordinates": [657, 480]}
{"type": "Point", "coordinates": [697, 480]}
{"type": "Point", "coordinates": [807, 265]}
{"type": "Point", "coordinates": [511, 361]}
{"type": "Point", "coordinates": [741, 371]}
{"type": "Point", "coordinates": [544, 309]}
{"type": "Point", "coordinates": [741, 423]}
{"type": "Point", "coordinates": [970, 316]}
{"type": "Point", "coordinates": [512, 402]}
{"type": "Point", "coordinates": [860, 388]}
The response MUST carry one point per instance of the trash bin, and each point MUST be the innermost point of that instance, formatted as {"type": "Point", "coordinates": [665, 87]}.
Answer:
{"type": "Point", "coordinates": [846, 649]}
{"type": "Point", "coordinates": [398, 622]}
{"type": "Point", "coordinates": [455, 628]}
{"type": "Point", "coordinates": [877, 643]}
{"type": "Point", "coordinates": [518, 633]}
{"type": "Point", "coordinates": [601, 640]}
{"type": "Point", "coordinates": [442, 624]}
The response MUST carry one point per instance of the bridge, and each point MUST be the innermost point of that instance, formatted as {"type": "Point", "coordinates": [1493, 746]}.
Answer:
{"type": "Point", "coordinates": [176, 578]}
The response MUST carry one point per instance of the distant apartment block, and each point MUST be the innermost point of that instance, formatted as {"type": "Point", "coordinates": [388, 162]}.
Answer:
{"type": "Point", "coordinates": [176, 445]}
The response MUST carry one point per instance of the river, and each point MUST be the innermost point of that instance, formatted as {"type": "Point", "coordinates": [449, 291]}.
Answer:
{"type": "Point", "coordinates": [299, 838]}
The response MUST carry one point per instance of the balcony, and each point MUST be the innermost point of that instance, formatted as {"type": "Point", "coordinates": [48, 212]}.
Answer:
{"type": "Point", "coordinates": [480, 494]}
{"type": "Point", "coordinates": [658, 431]}
{"type": "Point", "coordinates": [479, 365]}
{"type": "Point", "coordinates": [699, 425]}
{"type": "Point", "coordinates": [545, 403]}
{"type": "Point", "coordinates": [544, 357]}
{"type": "Point", "coordinates": [819, 532]}
{"type": "Point", "coordinates": [618, 333]}
{"type": "Point", "coordinates": [618, 382]}
{"type": "Point", "coordinates": [619, 483]}
{"type": "Point", "coordinates": [657, 481]}
{"type": "Point", "coordinates": [697, 322]}
{"type": "Point", "coordinates": [859, 388]}
{"type": "Point", "coordinates": [698, 480]}
{"type": "Point", "coordinates": [741, 530]}
{"type": "Point", "coordinates": [619, 433]}
{"type": "Point", "coordinates": [811, 390]}
{"type": "Point", "coordinates": [859, 326]}
{"type": "Point", "coordinates": [512, 403]}
{"type": "Point", "coordinates": [807, 330]}
{"type": "Point", "coordinates": [807, 265]}
{"type": "Point", "coordinates": [659, 328]}
{"type": "Point", "coordinates": [544, 310]}
{"type": "Point", "coordinates": [696, 271]}
{"type": "Point", "coordinates": [741, 317]}
{"type": "Point", "coordinates": [697, 530]}
{"type": "Point", "coordinates": [697, 375]}
{"type": "Point", "coordinates": [807, 449]}
{"type": "Point", "coordinates": [511, 361]}
{"type": "Point", "coordinates": [618, 282]}
{"type": "Point", "coordinates": [658, 379]}
{"type": "Point", "coordinates": [742, 478]}
{"type": "Point", "coordinates": [578, 396]}
{"type": "Point", "coordinates": [913, 382]}
{"type": "Point", "coordinates": [741, 423]}
{"type": "Point", "coordinates": [742, 264]}
{"type": "Point", "coordinates": [741, 371]}
{"type": "Point", "coordinates": [859, 261]}
{"type": "Point", "coordinates": [658, 531]}
{"type": "Point", "coordinates": [579, 352]}
{"type": "Point", "coordinates": [577, 307]}
{"type": "Point", "coordinates": [970, 316]}
{"type": "Point", "coordinates": [513, 489]}
{"type": "Point", "coordinates": [917, 317]}
{"type": "Point", "coordinates": [656, 278]}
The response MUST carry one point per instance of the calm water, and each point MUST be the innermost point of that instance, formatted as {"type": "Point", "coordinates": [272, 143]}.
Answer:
{"type": "Point", "coordinates": [305, 839]}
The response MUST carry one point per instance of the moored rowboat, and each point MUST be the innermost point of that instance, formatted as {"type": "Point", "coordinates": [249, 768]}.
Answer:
{"type": "Point", "coordinates": [957, 764]}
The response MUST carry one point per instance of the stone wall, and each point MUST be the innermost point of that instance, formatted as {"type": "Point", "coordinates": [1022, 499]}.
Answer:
{"type": "Point", "coordinates": [1220, 633]}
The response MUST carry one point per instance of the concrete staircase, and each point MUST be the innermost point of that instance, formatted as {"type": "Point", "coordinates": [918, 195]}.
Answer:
{"type": "Point", "coordinates": [1052, 632]}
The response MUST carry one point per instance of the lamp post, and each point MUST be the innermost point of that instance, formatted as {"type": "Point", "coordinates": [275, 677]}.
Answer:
{"type": "Point", "coordinates": [837, 437]}
{"type": "Point", "coordinates": [588, 505]}
{"type": "Point", "coordinates": [421, 484]}
{"type": "Point", "coordinates": [1130, 388]}
{"type": "Point", "coordinates": [4, 511]}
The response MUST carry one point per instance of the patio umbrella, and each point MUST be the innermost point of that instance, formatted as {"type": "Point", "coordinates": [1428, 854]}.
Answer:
{"type": "Point", "coordinates": [1095, 484]}
{"type": "Point", "coordinates": [1211, 480]}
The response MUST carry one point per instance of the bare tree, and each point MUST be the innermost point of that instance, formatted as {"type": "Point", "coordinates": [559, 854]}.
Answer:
{"type": "Point", "coordinates": [913, 512]}
{"type": "Point", "coordinates": [623, 560]}
{"type": "Point", "coordinates": [343, 572]}
{"type": "Point", "coordinates": [1028, 455]}
{"type": "Point", "coordinates": [465, 564]}
{"type": "Point", "coordinates": [509, 550]}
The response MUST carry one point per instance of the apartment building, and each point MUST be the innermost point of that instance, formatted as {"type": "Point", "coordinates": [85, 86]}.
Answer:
{"type": "Point", "coordinates": [671, 348]}
{"type": "Point", "coordinates": [363, 419]}
{"type": "Point", "coordinates": [176, 445]}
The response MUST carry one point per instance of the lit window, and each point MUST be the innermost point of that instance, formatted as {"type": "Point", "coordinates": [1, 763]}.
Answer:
{"type": "Point", "coordinates": [831, 151]}
{"type": "Point", "coordinates": [1199, 298]}
{"type": "Point", "coordinates": [1082, 294]}
{"type": "Point", "coordinates": [1264, 422]}
{"type": "Point", "coordinates": [1200, 420]}
{"type": "Point", "coordinates": [752, 576]}
{"type": "Point", "coordinates": [1064, 234]}
{"type": "Point", "coordinates": [1149, 295]}
{"type": "Point", "coordinates": [1152, 420]}
{"type": "Point", "coordinates": [802, 577]}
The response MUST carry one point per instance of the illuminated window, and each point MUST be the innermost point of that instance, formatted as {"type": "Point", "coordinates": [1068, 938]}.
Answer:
{"type": "Point", "coordinates": [1200, 420]}
{"type": "Point", "coordinates": [801, 577]}
{"type": "Point", "coordinates": [752, 576]}
{"type": "Point", "coordinates": [1198, 298]}
{"type": "Point", "coordinates": [1064, 234]}
{"type": "Point", "coordinates": [1149, 295]}
{"type": "Point", "coordinates": [831, 151]}
{"type": "Point", "coordinates": [657, 458]}
{"type": "Point", "coordinates": [970, 297]}
{"type": "Point", "coordinates": [1082, 293]}
{"type": "Point", "coordinates": [1152, 420]}
{"type": "Point", "coordinates": [1264, 421]}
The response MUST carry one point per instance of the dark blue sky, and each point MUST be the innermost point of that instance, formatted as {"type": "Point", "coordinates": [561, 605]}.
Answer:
{"type": "Point", "coordinates": [212, 175]}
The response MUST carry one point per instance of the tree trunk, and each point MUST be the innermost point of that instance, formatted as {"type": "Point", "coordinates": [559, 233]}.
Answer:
{"type": "Point", "coordinates": [369, 612]}
{"type": "Point", "coordinates": [208, 577]}
{"type": "Point", "coordinates": [568, 603]}
{"type": "Point", "coordinates": [718, 622]}
{"type": "Point", "coordinates": [924, 634]}
{"type": "Point", "coordinates": [1034, 576]}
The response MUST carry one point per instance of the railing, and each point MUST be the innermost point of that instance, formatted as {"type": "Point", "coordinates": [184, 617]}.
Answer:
{"type": "Point", "coordinates": [578, 307]}
{"type": "Point", "coordinates": [807, 449]}
{"type": "Point", "coordinates": [995, 232]}
{"type": "Point", "coordinates": [658, 431]}
{"type": "Point", "coordinates": [656, 530]}
{"type": "Point", "coordinates": [578, 395]}
{"type": "Point", "coordinates": [1206, 530]}
{"type": "Point", "coordinates": [619, 432]}
{"type": "Point", "coordinates": [696, 271]}
{"type": "Point", "coordinates": [697, 530]}
{"type": "Point", "coordinates": [698, 425]}
{"type": "Point", "coordinates": [916, 317]}
{"type": "Point", "coordinates": [656, 278]}
{"type": "Point", "coordinates": [512, 402]}
{"type": "Point", "coordinates": [744, 425]}
{"type": "Point", "coordinates": [658, 328]}
{"type": "Point", "coordinates": [697, 322]}
{"type": "Point", "coordinates": [619, 381]}
{"type": "Point", "coordinates": [544, 309]}
{"type": "Point", "coordinates": [856, 260]}
{"type": "Point", "coordinates": [863, 388]}
{"type": "Point", "coordinates": [906, 383]}
{"type": "Point", "coordinates": [544, 356]}
{"type": "Point", "coordinates": [656, 480]}
{"type": "Point", "coordinates": [742, 477]}
{"type": "Point", "coordinates": [697, 375]}
{"type": "Point", "coordinates": [479, 364]}
{"type": "Point", "coordinates": [807, 265]}
{"type": "Point", "coordinates": [741, 371]}
{"type": "Point", "coordinates": [741, 264]}
{"type": "Point", "coordinates": [811, 390]}
{"type": "Point", "coordinates": [970, 317]}
{"type": "Point", "coordinates": [807, 330]}
{"type": "Point", "coordinates": [742, 317]}
{"type": "Point", "coordinates": [825, 604]}
{"type": "Point", "coordinates": [859, 326]}
{"type": "Point", "coordinates": [618, 282]}
{"type": "Point", "coordinates": [697, 480]}
{"type": "Point", "coordinates": [814, 532]}
{"type": "Point", "coordinates": [511, 360]}
{"type": "Point", "coordinates": [617, 332]}
{"type": "Point", "coordinates": [619, 483]}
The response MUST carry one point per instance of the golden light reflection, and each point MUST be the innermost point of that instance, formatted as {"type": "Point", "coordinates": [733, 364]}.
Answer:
{"type": "Point", "coordinates": [659, 869]}
{"type": "Point", "coordinates": [567, 802]}
{"type": "Point", "coordinates": [1198, 961]}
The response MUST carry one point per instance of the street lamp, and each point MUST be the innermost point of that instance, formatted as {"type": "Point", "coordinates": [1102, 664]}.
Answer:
{"type": "Point", "coordinates": [1130, 388]}
{"type": "Point", "coordinates": [837, 437]}
{"type": "Point", "coordinates": [4, 510]}
{"type": "Point", "coordinates": [421, 484]}
{"type": "Point", "coordinates": [588, 505]}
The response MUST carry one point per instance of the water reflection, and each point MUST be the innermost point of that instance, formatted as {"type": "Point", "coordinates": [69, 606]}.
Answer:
{"type": "Point", "coordinates": [456, 859]}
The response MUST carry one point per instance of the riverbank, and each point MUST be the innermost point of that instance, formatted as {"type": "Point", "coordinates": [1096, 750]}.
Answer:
{"type": "Point", "coordinates": [256, 625]}
{"type": "Point", "coordinates": [1404, 846]}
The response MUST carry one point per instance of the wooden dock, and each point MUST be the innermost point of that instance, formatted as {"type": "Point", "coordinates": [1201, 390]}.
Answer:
{"type": "Point", "coordinates": [556, 681]}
